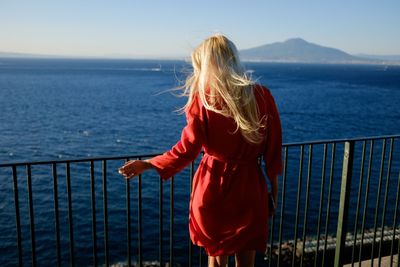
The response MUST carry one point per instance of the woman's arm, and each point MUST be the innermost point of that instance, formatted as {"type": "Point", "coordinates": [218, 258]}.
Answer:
{"type": "Point", "coordinates": [180, 155]}
{"type": "Point", "coordinates": [273, 148]}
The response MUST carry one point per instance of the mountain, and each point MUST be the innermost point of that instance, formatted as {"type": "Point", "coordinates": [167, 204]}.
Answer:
{"type": "Point", "coordinates": [295, 50]}
{"type": "Point", "coordinates": [299, 50]}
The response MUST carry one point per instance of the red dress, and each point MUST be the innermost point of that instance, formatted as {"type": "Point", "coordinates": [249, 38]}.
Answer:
{"type": "Point", "coordinates": [229, 202]}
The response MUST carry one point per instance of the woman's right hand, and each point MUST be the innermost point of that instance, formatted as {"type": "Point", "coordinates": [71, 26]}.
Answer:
{"type": "Point", "coordinates": [134, 168]}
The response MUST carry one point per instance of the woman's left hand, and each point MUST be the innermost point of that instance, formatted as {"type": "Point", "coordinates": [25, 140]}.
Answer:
{"type": "Point", "coordinates": [134, 167]}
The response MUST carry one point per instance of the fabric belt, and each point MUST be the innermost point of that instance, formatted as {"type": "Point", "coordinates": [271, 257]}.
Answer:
{"type": "Point", "coordinates": [232, 161]}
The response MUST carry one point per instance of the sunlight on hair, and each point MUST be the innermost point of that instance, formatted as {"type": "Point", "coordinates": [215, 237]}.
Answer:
{"type": "Point", "coordinates": [224, 86]}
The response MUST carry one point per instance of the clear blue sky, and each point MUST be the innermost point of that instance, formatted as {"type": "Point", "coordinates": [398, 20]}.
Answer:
{"type": "Point", "coordinates": [173, 28]}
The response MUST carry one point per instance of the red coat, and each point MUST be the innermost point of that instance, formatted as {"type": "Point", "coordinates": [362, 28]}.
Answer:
{"type": "Point", "coordinates": [229, 202]}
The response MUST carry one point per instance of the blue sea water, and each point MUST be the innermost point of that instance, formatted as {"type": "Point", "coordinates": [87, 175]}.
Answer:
{"type": "Point", "coordinates": [70, 108]}
{"type": "Point", "coordinates": [75, 108]}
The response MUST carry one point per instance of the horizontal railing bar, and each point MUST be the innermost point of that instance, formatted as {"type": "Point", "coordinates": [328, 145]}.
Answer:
{"type": "Point", "coordinates": [76, 160]}
{"type": "Point", "coordinates": [319, 142]}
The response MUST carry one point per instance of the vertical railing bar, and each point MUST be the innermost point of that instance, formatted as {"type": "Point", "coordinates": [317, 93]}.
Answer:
{"type": "Point", "coordinates": [283, 202]}
{"type": "Point", "coordinates": [200, 257]}
{"type": "Point", "coordinates": [298, 203]}
{"type": "Point", "coordinates": [328, 208]}
{"type": "Point", "coordinates": [190, 196]}
{"type": "Point", "coordinates": [345, 189]}
{"type": "Point", "coordinates": [17, 215]}
{"type": "Point", "coordinates": [321, 203]}
{"type": "Point", "coordinates": [56, 215]}
{"type": "Point", "coordinates": [378, 198]}
{"type": "Point", "coordinates": [105, 211]}
{"type": "Point", "coordinates": [140, 241]}
{"type": "Point", "coordinates": [160, 221]}
{"type": "Point", "coordinates": [310, 150]}
{"type": "Point", "coordinates": [201, 254]}
{"type": "Point", "coordinates": [31, 214]}
{"type": "Point", "coordinates": [389, 169]}
{"type": "Point", "coordinates": [93, 200]}
{"type": "Point", "coordinates": [171, 224]}
{"type": "Point", "coordinates": [358, 203]}
{"type": "Point", "coordinates": [398, 253]}
{"type": "Point", "coordinates": [271, 240]}
{"type": "Point", "coordinates": [70, 219]}
{"type": "Point", "coordinates": [396, 207]}
{"type": "Point", "coordinates": [128, 220]}
{"type": "Point", "coordinates": [371, 152]}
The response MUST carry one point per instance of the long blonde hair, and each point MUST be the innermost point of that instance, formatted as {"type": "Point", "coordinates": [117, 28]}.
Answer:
{"type": "Point", "coordinates": [223, 86]}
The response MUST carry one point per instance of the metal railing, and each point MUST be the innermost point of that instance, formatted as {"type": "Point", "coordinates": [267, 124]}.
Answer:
{"type": "Point", "coordinates": [326, 219]}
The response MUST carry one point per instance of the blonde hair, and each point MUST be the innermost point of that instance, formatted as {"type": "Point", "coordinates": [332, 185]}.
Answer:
{"type": "Point", "coordinates": [223, 86]}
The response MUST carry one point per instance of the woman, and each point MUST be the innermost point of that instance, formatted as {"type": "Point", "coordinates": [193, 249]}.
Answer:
{"type": "Point", "coordinates": [234, 121]}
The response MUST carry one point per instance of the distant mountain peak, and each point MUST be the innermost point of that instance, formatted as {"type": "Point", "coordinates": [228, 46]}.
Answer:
{"type": "Point", "coordinates": [296, 40]}
{"type": "Point", "coordinates": [298, 50]}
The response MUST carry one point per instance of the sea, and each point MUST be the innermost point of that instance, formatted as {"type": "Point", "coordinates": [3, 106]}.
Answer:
{"type": "Point", "coordinates": [60, 109]}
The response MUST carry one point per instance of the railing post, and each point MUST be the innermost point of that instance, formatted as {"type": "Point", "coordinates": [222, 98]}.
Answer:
{"type": "Point", "coordinates": [347, 171]}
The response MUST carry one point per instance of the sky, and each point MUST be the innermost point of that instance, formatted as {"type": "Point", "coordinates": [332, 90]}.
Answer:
{"type": "Point", "coordinates": [169, 29]}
